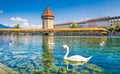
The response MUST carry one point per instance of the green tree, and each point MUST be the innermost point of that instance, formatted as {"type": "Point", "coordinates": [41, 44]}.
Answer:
{"type": "Point", "coordinates": [111, 29]}
{"type": "Point", "coordinates": [117, 29]}
{"type": "Point", "coordinates": [74, 25]}
{"type": "Point", "coordinates": [17, 26]}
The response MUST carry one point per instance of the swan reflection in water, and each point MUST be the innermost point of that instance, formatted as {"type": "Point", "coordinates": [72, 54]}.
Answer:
{"type": "Point", "coordinates": [82, 67]}
{"type": "Point", "coordinates": [73, 64]}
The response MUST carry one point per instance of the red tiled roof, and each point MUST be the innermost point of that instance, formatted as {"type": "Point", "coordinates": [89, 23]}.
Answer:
{"type": "Point", "coordinates": [47, 12]}
{"type": "Point", "coordinates": [81, 22]}
{"type": "Point", "coordinates": [98, 19]}
{"type": "Point", "coordinates": [94, 19]}
{"type": "Point", "coordinates": [85, 21]}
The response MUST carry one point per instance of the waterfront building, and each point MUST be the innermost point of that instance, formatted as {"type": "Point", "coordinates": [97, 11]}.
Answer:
{"type": "Point", "coordinates": [114, 21]}
{"type": "Point", "coordinates": [82, 24]}
{"type": "Point", "coordinates": [63, 25]}
{"type": "Point", "coordinates": [99, 22]}
{"type": "Point", "coordinates": [47, 18]}
{"type": "Point", "coordinates": [95, 23]}
{"type": "Point", "coordinates": [102, 22]}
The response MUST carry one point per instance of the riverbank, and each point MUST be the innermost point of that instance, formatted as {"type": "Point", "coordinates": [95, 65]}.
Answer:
{"type": "Point", "coordinates": [6, 70]}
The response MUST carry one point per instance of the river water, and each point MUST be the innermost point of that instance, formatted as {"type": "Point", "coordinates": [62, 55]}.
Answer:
{"type": "Point", "coordinates": [35, 54]}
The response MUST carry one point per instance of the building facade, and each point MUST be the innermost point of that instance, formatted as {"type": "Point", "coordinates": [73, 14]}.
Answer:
{"type": "Point", "coordinates": [63, 25]}
{"type": "Point", "coordinates": [99, 22]}
{"type": "Point", "coordinates": [82, 24]}
{"type": "Point", "coordinates": [114, 21]}
{"type": "Point", "coordinates": [103, 22]}
{"type": "Point", "coordinates": [48, 18]}
{"type": "Point", "coordinates": [95, 23]}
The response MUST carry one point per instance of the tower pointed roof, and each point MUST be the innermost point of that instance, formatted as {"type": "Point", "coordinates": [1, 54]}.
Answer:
{"type": "Point", "coordinates": [47, 12]}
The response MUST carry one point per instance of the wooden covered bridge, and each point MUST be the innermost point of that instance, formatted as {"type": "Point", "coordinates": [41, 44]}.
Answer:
{"type": "Point", "coordinates": [51, 31]}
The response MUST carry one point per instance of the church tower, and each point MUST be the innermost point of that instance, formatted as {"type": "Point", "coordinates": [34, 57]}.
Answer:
{"type": "Point", "coordinates": [47, 18]}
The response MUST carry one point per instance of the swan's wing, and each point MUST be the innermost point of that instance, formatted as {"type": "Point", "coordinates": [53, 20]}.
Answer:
{"type": "Point", "coordinates": [76, 58]}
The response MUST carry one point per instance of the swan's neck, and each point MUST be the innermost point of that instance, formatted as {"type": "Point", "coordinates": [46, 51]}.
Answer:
{"type": "Point", "coordinates": [67, 52]}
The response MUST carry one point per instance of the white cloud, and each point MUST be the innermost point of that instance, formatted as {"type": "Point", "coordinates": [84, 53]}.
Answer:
{"type": "Point", "coordinates": [19, 19]}
{"type": "Point", "coordinates": [33, 26]}
{"type": "Point", "coordinates": [36, 26]}
{"type": "Point", "coordinates": [1, 11]}
{"type": "Point", "coordinates": [13, 19]}
{"type": "Point", "coordinates": [26, 24]}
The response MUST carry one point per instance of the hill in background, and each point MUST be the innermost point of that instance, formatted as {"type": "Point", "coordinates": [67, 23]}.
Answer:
{"type": "Point", "coordinates": [4, 26]}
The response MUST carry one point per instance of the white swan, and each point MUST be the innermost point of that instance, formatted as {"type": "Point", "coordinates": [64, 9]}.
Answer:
{"type": "Point", "coordinates": [102, 43]}
{"type": "Point", "coordinates": [75, 58]}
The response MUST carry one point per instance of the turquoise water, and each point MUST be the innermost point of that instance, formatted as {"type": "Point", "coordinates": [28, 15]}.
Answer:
{"type": "Point", "coordinates": [43, 54]}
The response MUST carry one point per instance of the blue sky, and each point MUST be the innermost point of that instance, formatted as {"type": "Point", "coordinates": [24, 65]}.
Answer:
{"type": "Point", "coordinates": [28, 13]}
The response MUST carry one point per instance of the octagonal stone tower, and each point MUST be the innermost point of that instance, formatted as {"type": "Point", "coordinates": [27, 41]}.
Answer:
{"type": "Point", "coordinates": [47, 18]}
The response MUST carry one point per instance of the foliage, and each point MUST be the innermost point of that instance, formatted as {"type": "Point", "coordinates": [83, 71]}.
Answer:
{"type": "Point", "coordinates": [117, 29]}
{"type": "Point", "coordinates": [111, 29]}
{"type": "Point", "coordinates": [17, 26]}
{"type": "Point", "coordinates": [74, 25]}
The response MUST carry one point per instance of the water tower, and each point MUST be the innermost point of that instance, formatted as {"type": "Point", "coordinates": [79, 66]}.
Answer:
{"type": "Point", "coordinates": [48, 18]}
